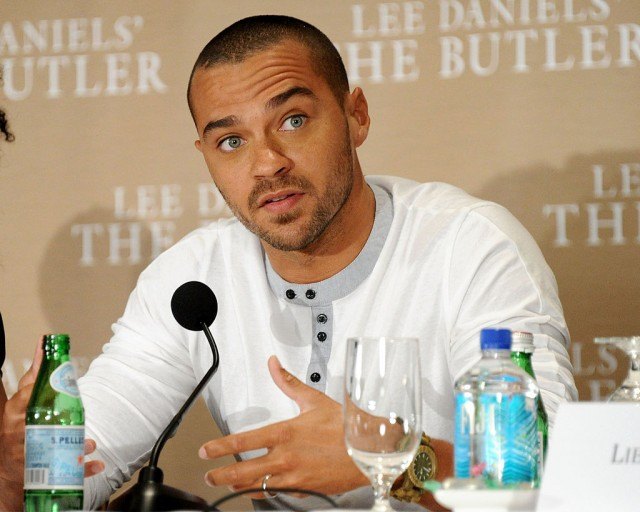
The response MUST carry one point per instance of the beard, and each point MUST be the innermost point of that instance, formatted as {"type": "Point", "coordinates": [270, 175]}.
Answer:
{"type": "Point", "coordinates": [289, 235]}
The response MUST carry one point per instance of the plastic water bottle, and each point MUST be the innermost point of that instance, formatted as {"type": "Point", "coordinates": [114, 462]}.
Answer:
{"type": "Point", "coordinates": [496, 438]}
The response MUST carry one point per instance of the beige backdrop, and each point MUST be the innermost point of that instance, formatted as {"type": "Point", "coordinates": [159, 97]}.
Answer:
{"type": "Point", "coordinates": [531, 103]}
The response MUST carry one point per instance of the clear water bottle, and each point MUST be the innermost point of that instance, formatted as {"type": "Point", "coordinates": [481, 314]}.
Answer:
{"type": "Point", "coordinates": [496, 438]}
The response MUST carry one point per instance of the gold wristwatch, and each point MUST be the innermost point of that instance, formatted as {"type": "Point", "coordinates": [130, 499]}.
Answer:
{"type": "Point", "coordinates": [422, 468]}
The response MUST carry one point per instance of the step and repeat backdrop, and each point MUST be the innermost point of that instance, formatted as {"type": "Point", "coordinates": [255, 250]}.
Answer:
{"type": "Point", "coordinates": [534, 104]}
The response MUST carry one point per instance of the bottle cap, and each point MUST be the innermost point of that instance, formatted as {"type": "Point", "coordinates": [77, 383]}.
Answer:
{"type": "Point", "coordinates": [522, 341]}
{"type": "Point", "coordinates": [496, 339]}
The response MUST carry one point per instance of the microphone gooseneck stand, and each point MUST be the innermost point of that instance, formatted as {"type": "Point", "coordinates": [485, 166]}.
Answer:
{"type": "Point", "coordinates": [150, 493]}
{"type": "Point", "coordinates": [175, 423]}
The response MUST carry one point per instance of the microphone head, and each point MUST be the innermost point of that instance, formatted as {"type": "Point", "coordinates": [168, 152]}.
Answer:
{"type": "Point", "coordinates": [193, 303]}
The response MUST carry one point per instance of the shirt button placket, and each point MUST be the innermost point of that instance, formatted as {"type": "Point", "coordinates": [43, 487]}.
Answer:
{"type": "Point", "coordinates": [319, 355]}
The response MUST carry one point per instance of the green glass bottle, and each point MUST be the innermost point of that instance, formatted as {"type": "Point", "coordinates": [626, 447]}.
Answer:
{"type": "Point", "coordinates": [54, 436]}
{"type": "Point", "coordinates": [521, 351]}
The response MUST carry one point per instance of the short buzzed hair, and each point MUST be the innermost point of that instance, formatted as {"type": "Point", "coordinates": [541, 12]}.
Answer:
{"type": "Point", "coordinates": [252, 35]}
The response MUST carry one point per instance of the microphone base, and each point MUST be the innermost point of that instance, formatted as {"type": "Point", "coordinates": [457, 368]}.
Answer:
{"type": "Point", "coordinates": [151, 495]}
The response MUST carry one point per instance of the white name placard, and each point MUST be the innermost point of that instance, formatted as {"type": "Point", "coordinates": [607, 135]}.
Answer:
{"type": "Point", "coordinates": [593, 462]}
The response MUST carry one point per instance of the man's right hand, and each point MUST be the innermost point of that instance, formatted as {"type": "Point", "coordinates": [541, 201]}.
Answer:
{"type": "Point", "coordinates": [12, 432]}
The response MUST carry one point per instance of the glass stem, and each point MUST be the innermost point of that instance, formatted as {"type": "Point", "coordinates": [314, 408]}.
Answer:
{"type": "Point", "coordinates": [381, 489]}
{"type": "Point", "coordinates": [633, 378]}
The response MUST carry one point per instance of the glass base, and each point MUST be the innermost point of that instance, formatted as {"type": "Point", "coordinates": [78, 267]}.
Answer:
{"type": "Point", "coordinates": [382, 505]}
{"type": "Point", "coordinates": [629, 391]}
{"type": "Point", "coordinates": [625, 394]}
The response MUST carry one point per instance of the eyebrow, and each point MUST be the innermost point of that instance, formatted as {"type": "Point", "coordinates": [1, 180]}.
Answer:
{"type": "Point", "coordinates": [225, 122]}
{"type": "Point", "coordinates": [273, 103]}
{"type": "Point", "coordinates": [283, 97]}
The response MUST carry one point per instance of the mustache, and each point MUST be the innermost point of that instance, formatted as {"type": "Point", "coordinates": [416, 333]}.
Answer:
{"type": "Point", "coordinates": [273, 185]}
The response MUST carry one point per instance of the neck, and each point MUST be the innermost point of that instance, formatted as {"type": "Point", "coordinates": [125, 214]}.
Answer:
{"type": "Point", "coordinates": [336, 248]}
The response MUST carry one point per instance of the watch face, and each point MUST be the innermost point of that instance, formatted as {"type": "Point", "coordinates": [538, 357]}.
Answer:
{"type": "Point", "coordinates": [423, 466]}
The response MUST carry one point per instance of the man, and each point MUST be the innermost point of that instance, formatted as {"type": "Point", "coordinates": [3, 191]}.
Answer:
{"type": "Point", "coordinates": [315, 254]}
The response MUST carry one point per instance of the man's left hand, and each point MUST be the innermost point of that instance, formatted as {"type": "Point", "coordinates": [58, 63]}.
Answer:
{"type": "Point", "coordinates": [306, 452]}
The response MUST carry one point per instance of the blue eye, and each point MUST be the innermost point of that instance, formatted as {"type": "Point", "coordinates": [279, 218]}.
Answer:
{"type": "Point", "coordinates": [230, 143]}
{"type": "Point", "coordinates": [293, 122]}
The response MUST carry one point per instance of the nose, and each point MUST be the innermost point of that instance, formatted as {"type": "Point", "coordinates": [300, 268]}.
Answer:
{"type": "Point", "coordinates": [270, 159]}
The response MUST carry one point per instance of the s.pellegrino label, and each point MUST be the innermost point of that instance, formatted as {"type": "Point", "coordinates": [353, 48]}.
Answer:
{"type": "Point", "coordinates": [54, 457]}
{"type": "Point", "coordinates": [63, 380]}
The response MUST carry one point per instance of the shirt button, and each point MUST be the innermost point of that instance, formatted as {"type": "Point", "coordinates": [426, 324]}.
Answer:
{"type": "Point", "coordinates": [315, 377]}
{"type": "Point", "coordinates": [322, 336]}
{"type": "Point", "coordinates": [322, 318]}
{"type": "Point", "coordinates": [290, 294]}
{"type": "Point", "coordinates": [311, 294]}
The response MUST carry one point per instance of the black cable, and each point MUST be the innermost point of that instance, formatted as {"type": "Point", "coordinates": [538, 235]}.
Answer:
{"type": "Point", "coordinates": [214, 505]}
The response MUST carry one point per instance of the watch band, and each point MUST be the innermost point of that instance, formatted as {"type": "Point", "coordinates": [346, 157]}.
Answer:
{"type": "Point", "coordinates": [408, 486]}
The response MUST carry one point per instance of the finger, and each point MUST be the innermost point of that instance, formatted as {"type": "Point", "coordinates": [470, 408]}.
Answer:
{"type": "Point", "coordinates": [37, 358]}
{"type": "Point", "coordinates": [16, 408]}
{"type": "Point", "coordinates": [93, 467]}
{"type": "Point", "coordinates": [234, 444]}
{"type": "Point", "coordinates": [258, 495]}
{"type": "Point", "coordinates": [271, 485]}
{"type": "Point", "coordinates": [252, 495]}
{"type": "Point", "coordinates": [89, 446]}
{"type": "Point", "coordinates": [30, 376]}
{"type": "Point", "coordinates": [305, 396]}
{"type": "Point", "coordinates": [241, 475]}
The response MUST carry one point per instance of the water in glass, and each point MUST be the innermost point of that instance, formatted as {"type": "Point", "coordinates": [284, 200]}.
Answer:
{"type": "Point", "coordinates": [382, 409]}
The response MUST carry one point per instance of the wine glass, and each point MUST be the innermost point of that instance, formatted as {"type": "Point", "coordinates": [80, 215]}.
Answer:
{"type": "Point", "coordinates": [382, 409]}
{"type": "Point", "coordinates": [629, 390]}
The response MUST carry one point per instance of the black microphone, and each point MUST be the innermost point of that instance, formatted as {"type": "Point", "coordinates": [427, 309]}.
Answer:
{"type": "Point", "coordinates": [194, 306]}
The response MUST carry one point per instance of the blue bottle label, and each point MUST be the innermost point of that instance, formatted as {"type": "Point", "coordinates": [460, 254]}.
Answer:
{"type": "Point", "coordinates": [63, 380]}
{"type": "Point", "coordinates": [510, 439]}
{"type": "Point", "coordinates": [464, 425]}
{"type": "Point", "coordinates": [496, 438]}
{"type": "Point", "coordinates": [54, 457]}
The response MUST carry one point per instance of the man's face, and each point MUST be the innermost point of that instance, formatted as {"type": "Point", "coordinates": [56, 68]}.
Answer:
{"type": "Point", "coordinates": [277, 144]}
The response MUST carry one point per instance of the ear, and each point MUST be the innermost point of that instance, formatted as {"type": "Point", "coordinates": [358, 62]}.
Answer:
{"type": "Point", "coordinates": [357, 111]}
{"type": "Point", "coordinates": [198, 145]}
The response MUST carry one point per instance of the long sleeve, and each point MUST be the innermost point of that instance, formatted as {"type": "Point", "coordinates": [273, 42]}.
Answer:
{"type": "Point", "coordinates": [132, 391]}
{"type": "Point", "coordinates": [498, 278]}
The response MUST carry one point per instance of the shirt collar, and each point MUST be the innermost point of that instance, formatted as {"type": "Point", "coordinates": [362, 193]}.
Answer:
{"type": "Point", "coordinates": [340, 285]}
